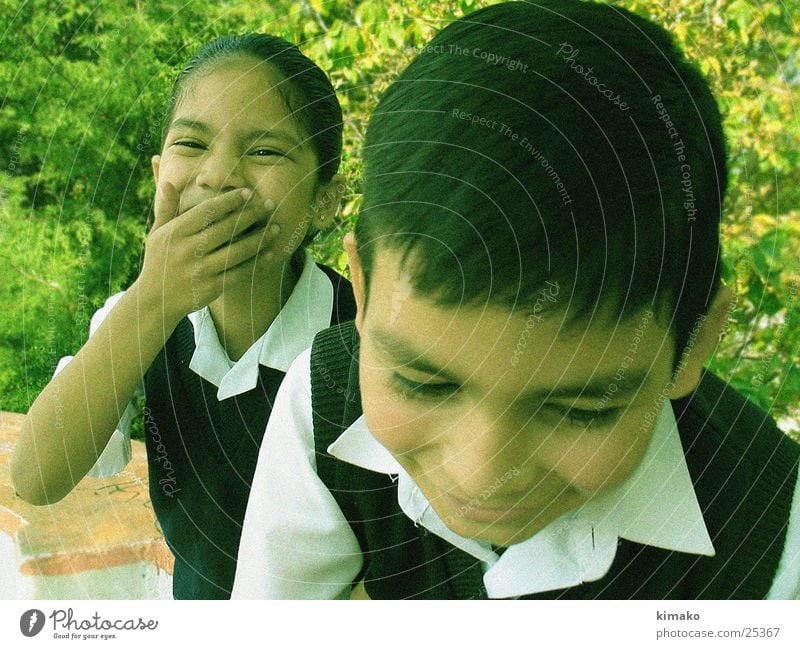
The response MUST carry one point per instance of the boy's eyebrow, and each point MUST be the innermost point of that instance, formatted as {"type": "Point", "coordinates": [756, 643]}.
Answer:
{"type": "Point", "coordinates": [600, 386]}
{"type": "Point", "coordinates": [402, 351]}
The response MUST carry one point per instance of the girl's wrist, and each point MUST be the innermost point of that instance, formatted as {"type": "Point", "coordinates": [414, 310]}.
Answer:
{"type": "Point", "coordinates": [150, 304]}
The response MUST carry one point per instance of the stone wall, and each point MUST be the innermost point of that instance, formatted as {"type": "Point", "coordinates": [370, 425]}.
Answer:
{"type": "Point", "coordinates": [102, 541]}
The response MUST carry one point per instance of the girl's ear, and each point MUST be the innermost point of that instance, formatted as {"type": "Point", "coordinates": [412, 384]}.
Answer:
{"type": "Point", "coordinates": [326, 202]}
{"type": "Point", "coordinates": [356, 276]}
{"type": "Point", "coordinates": [705, 342]}
{"type": "Point", "coordinates": [155, 161]}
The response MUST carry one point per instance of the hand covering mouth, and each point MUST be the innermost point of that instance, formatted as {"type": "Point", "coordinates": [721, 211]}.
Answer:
{"type": "Point", "coordinates": [258, 225]}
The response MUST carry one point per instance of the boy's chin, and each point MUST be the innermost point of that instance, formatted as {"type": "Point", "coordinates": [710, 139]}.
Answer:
{"type": "Point", "coordinates": [505, 530]}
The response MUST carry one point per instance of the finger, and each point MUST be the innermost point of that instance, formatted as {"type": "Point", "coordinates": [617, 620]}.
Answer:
{"type": "Point", "coordinates": [241, 252]}
{"type": "Point", "coordinates": [166, 204]}
{"type": "Point", "coordinates": [213, 210]}
{"type": "Point", "coordinates": [241, 224]}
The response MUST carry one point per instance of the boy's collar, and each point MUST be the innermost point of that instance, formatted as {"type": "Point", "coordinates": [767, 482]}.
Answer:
{"type": "Point", "coordinates": [655, 506]}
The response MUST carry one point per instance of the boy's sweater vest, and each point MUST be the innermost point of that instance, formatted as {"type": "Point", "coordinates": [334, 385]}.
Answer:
{"type": "Point", "coordinates": [202, 455]}
{"type": "Point", "coordinates": [744, 472]}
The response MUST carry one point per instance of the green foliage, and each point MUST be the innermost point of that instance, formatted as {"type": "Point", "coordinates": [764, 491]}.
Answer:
{"type": "Point", "coordinates": [81, 111]}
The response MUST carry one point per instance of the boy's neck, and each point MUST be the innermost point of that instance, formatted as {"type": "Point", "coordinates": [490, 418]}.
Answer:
{"type": "Point", "coordinates": [243, 313]}
{"type": "Point", "coordinates": [499, 550]}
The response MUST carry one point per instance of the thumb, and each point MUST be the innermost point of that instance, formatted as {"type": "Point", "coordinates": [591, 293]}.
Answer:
{"type": "Point", "coordinates": [165, 205]}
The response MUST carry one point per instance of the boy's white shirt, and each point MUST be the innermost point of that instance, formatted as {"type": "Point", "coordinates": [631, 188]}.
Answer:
{"type": "Point", "coordinates": [296, 543]}
{"type": "Point", "coordinates": [307, 312]}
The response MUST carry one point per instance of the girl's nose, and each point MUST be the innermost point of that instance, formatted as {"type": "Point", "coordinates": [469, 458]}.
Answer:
{"type": "Point", "coordinates": [219, 172]}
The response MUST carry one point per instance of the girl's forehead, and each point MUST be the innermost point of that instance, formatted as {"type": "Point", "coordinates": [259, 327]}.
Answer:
{"type": "Point", "coordinates": [240, 74]}
{"type": "Point", "coordinates": [253, 91]}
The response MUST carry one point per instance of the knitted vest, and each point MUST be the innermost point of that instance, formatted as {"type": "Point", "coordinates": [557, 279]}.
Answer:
{"type": "Point", "coordinates": [202, 455]}
{"type": "Point", "coordinates": [744, 472]}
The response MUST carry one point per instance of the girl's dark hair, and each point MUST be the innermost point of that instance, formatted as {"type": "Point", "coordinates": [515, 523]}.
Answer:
{"type": "Point", "coordinates": [307, 91]}
{"type": "Point", "coordinates": [550, 140]}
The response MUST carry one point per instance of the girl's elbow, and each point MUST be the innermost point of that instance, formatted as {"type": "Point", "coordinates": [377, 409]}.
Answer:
{"type": "Point", "coordinates": [29, 486]}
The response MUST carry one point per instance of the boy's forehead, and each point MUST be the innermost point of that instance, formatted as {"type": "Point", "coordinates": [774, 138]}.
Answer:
{"type": "Point", "coordinates": [551, 306]}
{"type": "Point", "coordinates": [539, 338]}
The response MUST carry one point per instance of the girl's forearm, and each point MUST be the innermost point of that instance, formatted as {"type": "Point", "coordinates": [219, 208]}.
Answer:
{"type": "Point", "coordinates": [71, 421]}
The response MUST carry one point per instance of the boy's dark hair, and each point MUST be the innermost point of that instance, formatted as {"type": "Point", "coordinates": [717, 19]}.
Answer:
{"type": "Point", "coordinates": [307, 92]}
{"type": "Point", "coordinates": [552, 140]}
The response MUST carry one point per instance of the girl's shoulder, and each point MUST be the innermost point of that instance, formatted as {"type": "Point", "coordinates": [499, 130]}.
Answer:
{"type": "Point", "coordinates": [343, 299]}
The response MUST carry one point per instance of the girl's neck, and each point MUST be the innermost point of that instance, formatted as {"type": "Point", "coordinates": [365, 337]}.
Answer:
{"type": "Point", "coordinates": [243, 313]}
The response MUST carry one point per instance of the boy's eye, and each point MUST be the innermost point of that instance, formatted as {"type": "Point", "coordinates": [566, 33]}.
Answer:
{"type": "Point", "coordinates": [582, 417]}
{"type": "Point", "coordinates": [423, 389]}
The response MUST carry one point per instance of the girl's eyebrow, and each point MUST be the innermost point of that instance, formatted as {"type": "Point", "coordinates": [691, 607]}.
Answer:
{"type": "Point", "coordinates": [251, 136]}
{"type": "Point", "coordinates": [190, 123]}
{"type": "Point", "coordinates": [272, 134]}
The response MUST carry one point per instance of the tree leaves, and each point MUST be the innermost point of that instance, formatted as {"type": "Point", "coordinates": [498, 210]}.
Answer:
{"type": "Point", "coordinates": [81, 112]}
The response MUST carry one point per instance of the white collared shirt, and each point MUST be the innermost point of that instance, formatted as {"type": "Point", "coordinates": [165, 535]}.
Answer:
{"type": "Point", "coordinates": [296, 543]}
{"type": "Point", "coordinates": [306, 312]}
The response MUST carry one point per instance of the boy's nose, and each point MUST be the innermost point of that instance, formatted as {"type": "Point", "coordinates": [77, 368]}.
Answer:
{"type": "Point", "coordinates": [220, 172]}
{"type": "Point", "coordinates": [485, 452]}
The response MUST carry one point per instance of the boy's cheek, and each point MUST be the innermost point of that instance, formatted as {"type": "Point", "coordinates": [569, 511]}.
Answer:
{"type": "Point", "coordinates": [396, 432]}
{"type": "Point", "coordinates": [392, 418]}
{"type": "Point", "coordinates": [592, 469]}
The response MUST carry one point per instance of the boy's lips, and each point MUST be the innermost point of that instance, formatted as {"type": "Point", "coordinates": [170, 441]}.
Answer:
{"type": "Point", "coordinates": [475, 509]}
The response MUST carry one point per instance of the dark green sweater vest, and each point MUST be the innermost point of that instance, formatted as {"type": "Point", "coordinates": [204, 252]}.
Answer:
{"type": "Point", "coordinates": [202, 455]}
{"type": "Point", "coordinates": [744, 472]}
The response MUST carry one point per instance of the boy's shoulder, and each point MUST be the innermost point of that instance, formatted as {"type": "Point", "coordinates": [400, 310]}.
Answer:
{"type": "Point", "coordinates": [744, 471]}
{"type": "Point", "coordinates": [734, 448]}
{"type": "Point", "coordinates": [334, 380]}
{"type": "Point", "coordinates": [728, 417]}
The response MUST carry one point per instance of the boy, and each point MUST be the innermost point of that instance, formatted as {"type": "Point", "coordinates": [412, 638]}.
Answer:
{"type": "Point", "coordinates": [536, 270]}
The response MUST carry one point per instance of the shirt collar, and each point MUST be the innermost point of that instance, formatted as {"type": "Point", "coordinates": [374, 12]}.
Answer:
{"type": "Point", "coordinates": [655, 506]}
{"type": "Point", "coordinates": [306, 313]}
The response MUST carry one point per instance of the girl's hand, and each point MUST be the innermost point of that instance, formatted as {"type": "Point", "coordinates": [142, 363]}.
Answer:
{"type": "Point", "coordinates": [188, 256]}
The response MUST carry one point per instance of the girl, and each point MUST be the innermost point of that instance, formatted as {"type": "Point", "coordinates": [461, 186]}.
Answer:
{"type": "Point", "coordinates": [226, 298]}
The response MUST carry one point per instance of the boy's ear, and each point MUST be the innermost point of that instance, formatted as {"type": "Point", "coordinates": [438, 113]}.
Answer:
{"type": "Point", "coordinates": [155, 161]}
{"type": "Point", "coordinates": [695, 355]}
{"type": "Point", "coordinates": [327, 200]}
{"type": "Point", "coordinates": [356, 276]}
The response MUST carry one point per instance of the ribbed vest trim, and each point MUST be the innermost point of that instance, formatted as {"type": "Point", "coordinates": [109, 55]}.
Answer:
{"type": "Point", "coordinates": [202, 454]}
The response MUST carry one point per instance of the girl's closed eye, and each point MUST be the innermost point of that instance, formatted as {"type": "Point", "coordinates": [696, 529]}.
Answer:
{"type": "Point", "coordinates": [266, 152]}
{"type": "Point", "coordinates": [188, 144]}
